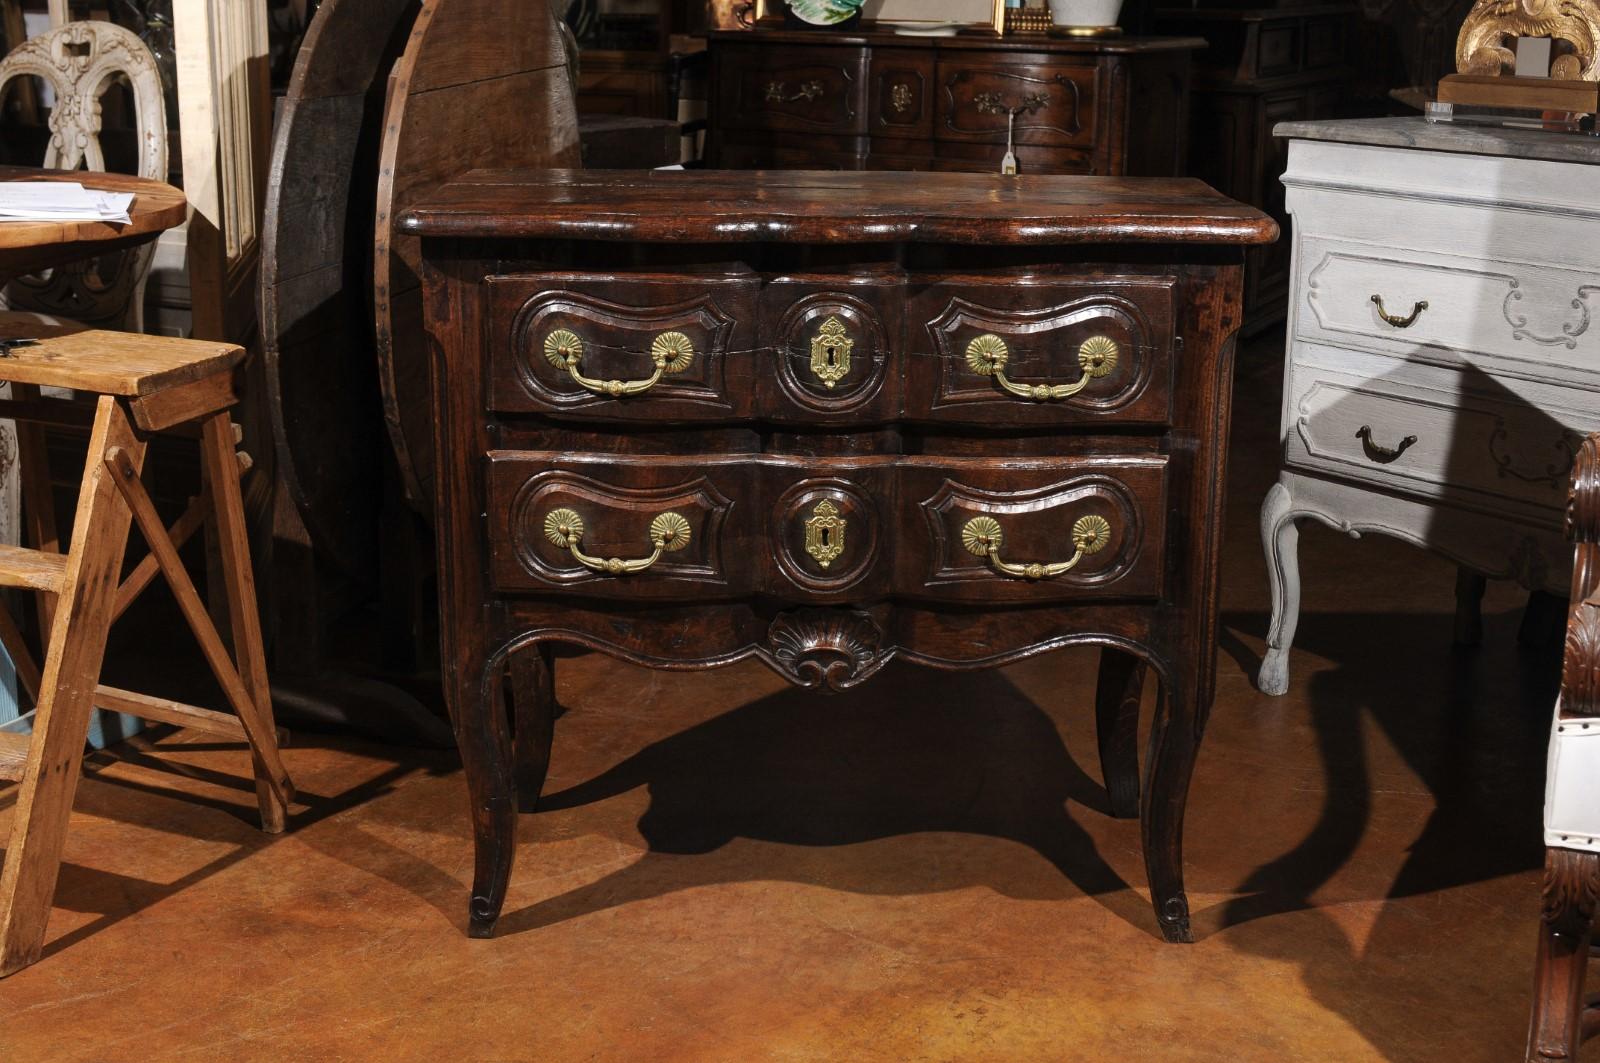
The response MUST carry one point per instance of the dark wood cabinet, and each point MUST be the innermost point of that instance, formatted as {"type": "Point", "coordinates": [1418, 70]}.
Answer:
{"type": "Point", "coordinates": [887, 102]}
{"type": "Point", "coordinates": [826, 421]}
{"type": "Point", "coordinates": [1263, 66]}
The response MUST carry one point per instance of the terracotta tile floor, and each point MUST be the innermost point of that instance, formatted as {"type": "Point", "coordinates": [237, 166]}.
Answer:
{"type": "Point", "coordinates": [921, 870]}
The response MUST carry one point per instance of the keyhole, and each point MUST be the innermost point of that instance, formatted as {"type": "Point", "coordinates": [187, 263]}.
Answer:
{"type": "Point", "coordinates": [826, 537]}
{"type": "Point", "coordinates": [833, 357]}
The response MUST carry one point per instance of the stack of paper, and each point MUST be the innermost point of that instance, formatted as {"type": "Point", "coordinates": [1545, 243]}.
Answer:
{"type": "Point", "coordinates": [61, 201]}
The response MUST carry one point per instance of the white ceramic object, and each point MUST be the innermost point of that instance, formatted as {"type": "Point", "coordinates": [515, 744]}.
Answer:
{"type": "Point", "coordinates": [1085, 12]}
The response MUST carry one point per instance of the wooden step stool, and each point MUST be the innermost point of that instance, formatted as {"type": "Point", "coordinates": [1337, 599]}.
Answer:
{"type": "Point", "coordinates": [144, 384]}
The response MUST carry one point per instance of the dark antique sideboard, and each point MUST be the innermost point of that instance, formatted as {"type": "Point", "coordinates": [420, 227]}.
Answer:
{"type": "Point", "coordinates": [824, 421]}
{"type": "Point", "coordinates": [881, 101]}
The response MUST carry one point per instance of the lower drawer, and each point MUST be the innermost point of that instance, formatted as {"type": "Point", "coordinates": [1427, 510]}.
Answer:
{"type": "Point", "coordinates": [693, 528]}
{"type": "Point", "coordinates": [1468, 449]}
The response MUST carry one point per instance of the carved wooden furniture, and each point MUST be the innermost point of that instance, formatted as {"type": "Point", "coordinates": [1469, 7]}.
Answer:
{"type": "Point", "coordinates": [881, 101]}
{"type": "Point", "coordinates": [1263, 66]}
{"type": "Point", "coordinates": [80, 62]}
{"type": "Point", "coordinates": [144, 384]}
{"type": "Point", "coordinates": [1441, 366]}
{"type": "Point", "coordinates": [1561, 1016]}
{"type": "Point", "coordinates": [825, 420]}
{"type": "Point", "coordinates": [461, 96]}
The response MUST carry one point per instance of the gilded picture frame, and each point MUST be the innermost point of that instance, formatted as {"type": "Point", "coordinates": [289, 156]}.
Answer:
{"type": "Point", "coordinates": [770, 12]}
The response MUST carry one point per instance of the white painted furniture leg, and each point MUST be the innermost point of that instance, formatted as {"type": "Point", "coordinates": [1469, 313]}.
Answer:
{"type": "Point", "coordinates": [1280, 540]}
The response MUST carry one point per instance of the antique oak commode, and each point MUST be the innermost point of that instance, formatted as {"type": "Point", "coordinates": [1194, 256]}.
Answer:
{"type": "Point", "coordinates": [827, 420]}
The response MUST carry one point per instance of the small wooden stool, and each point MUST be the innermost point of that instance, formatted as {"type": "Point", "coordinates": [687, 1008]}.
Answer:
{"type": "Point", "coordinates": [145, 384]}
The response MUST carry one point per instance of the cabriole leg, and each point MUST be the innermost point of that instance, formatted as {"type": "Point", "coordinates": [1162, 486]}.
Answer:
{"type": "Point", "coordinates": [1174, 742]}
{"type": "Point", "coordinates": [533, 714]}
{"type": "Point", "coordinates": [1116, 705]}
{"type": "Point", "coordinates": [1280, 539]}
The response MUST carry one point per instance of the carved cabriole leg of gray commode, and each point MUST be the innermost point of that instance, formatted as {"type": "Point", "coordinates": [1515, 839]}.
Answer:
{"type": "Point", "coordinates": [1280, 539]}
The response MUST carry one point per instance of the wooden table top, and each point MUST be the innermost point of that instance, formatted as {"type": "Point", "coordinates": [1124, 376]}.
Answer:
{"type": "Point", "coordinates": [812, 206]}
{"type": "Point", "coordinates": [26, 246]}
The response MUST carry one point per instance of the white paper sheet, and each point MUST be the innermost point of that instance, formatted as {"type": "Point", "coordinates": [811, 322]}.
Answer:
{"type": "Point", "coordinates": [61, 201]}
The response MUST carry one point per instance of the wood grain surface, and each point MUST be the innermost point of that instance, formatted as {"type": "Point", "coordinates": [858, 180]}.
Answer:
{"type": "Point", "coordinates": [798, 206]}
{"type": "Point", "coordinates": [481, 84]}
{"type": "Point", "coordinates": [322, 381]}
{"type": "Point", "coordinates": [26, 246]}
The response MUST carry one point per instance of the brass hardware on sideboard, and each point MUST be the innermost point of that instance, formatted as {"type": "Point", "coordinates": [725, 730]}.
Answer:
{"type": "Point", "coordinates": [668, 531]}
{"type": "Point", "coordinates": [825, 533]}
{"type": "Point", "coordinates": [777, 92]}
{"type": "Point", "coordinates": [1097, 357]}
{"type": "Point", "coordinates": [830, 352]}
{"type": "Point", "coordinates": [995, 103]}
{"type": "Point", "coordinates": [983, 537]}
{"type": "Point", "coordinates": [1397, 320]}
{"type": "Point", "coordinates": [671, 352]}
{"type": "Point", "coordinates": [1380, 454]}
{"type": "Point", "coordinates": [900, 97]}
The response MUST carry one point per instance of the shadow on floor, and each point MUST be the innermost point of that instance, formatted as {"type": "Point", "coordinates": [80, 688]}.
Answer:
{"type": "Point", "coordinates": [911, 753]}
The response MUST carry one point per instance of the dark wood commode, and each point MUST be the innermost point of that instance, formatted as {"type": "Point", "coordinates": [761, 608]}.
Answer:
{"type": "Point", "coordinates": [882, 101]}
{"type": "Point", "coordinates": [826, 420]}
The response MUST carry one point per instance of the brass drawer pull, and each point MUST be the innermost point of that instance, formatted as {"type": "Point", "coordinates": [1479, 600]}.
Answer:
{"type": "Point", "coordinates": [808, 90]}
{"type": "Point", "coordinates": [1395, 319]}
{"type": "Point", "coordinates": [982, 536]}
{"type": "Point", "coordinates": [669, 531]}
{"type": "Point", "coordinates": [1379, 454]}
{"type": "Point", "coordinates": [672, 352]}
{"type": "Point", "coordinates": [1097, 357]}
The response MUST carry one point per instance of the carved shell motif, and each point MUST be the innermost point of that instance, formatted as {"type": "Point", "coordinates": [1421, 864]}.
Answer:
{"type": "Point", "coordinates": [828, 649]}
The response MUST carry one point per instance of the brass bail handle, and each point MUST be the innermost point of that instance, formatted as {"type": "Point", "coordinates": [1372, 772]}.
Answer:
{"type": "Point", "coordinates": [983, 536]}
{"type": "Point", "coordinates": [1397, 320]}
{"type": "Point", "coordinates": [668, 532]}
{"type": "Point", "coordinates": [671, 352]}
{"type": "Point", "coordinates": [1097, 357]}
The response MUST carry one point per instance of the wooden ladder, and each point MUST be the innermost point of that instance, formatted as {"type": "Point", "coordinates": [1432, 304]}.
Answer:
{"type": "Point", "coordinates": [144, 384]}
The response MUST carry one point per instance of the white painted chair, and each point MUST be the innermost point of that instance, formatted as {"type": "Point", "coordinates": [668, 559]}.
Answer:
{"type": "Point", "coordinates": [80, 62]}
{"type": "Point", "coordinates": [1572, 796]}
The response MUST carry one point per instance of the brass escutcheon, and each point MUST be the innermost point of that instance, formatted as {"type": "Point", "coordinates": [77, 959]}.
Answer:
{"type": "Point", "coordinates": [825, 533]}
{"type": "Point", "coordinates": [830, 352]}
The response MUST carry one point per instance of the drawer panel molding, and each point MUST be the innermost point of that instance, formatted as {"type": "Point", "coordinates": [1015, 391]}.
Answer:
{"type": "Point", "coordinates": [1399, 302]}
{"type": "Point", "coordinates": [617, 522]}
{"type": "Point", "coordinates": [1100, 355]}
{"type": "Point", "coordinates": [1506, 454]}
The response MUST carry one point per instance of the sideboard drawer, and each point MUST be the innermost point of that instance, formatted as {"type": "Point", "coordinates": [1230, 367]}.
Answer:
{"type": "Point", "coordinates": [1445, 306]}
{"type": "Point", "coordinates": [814, 90]}
{"type": "Point", "coordinates": [611, 510]}
{"type": "Point", "coordinates": [1041, 350]}
{"type": "Point", "coordinates": [1033, 530]}
{"type": "Point", "coordinates": [589, 345]}
{"type": "Point", "coordinates": [1054, 102]}
{"type": "Point", "coordinates": [1470, 450]}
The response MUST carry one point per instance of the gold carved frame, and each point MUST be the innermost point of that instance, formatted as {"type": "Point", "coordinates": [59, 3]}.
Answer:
{"type": "Point", "coordinates": [1487, 42]}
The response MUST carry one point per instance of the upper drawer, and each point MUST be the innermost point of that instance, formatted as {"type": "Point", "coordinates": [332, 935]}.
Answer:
{"type": "Point", "coordinates": [816, 90]}
{"type": "Point", "coordinates": [1053, 102]}
{"type": "Point", "coordinates": [1448, 308]}
{"type": "Point", "coordinates": [637, 347]}
{"type": "Point", "coordinates": [829, 346]}
{"type": "Point", "coordinates": [1041, 351]}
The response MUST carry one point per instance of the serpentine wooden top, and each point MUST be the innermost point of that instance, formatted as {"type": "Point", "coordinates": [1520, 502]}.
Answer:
{"type": "Point", "coordinates": [811, 206]}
